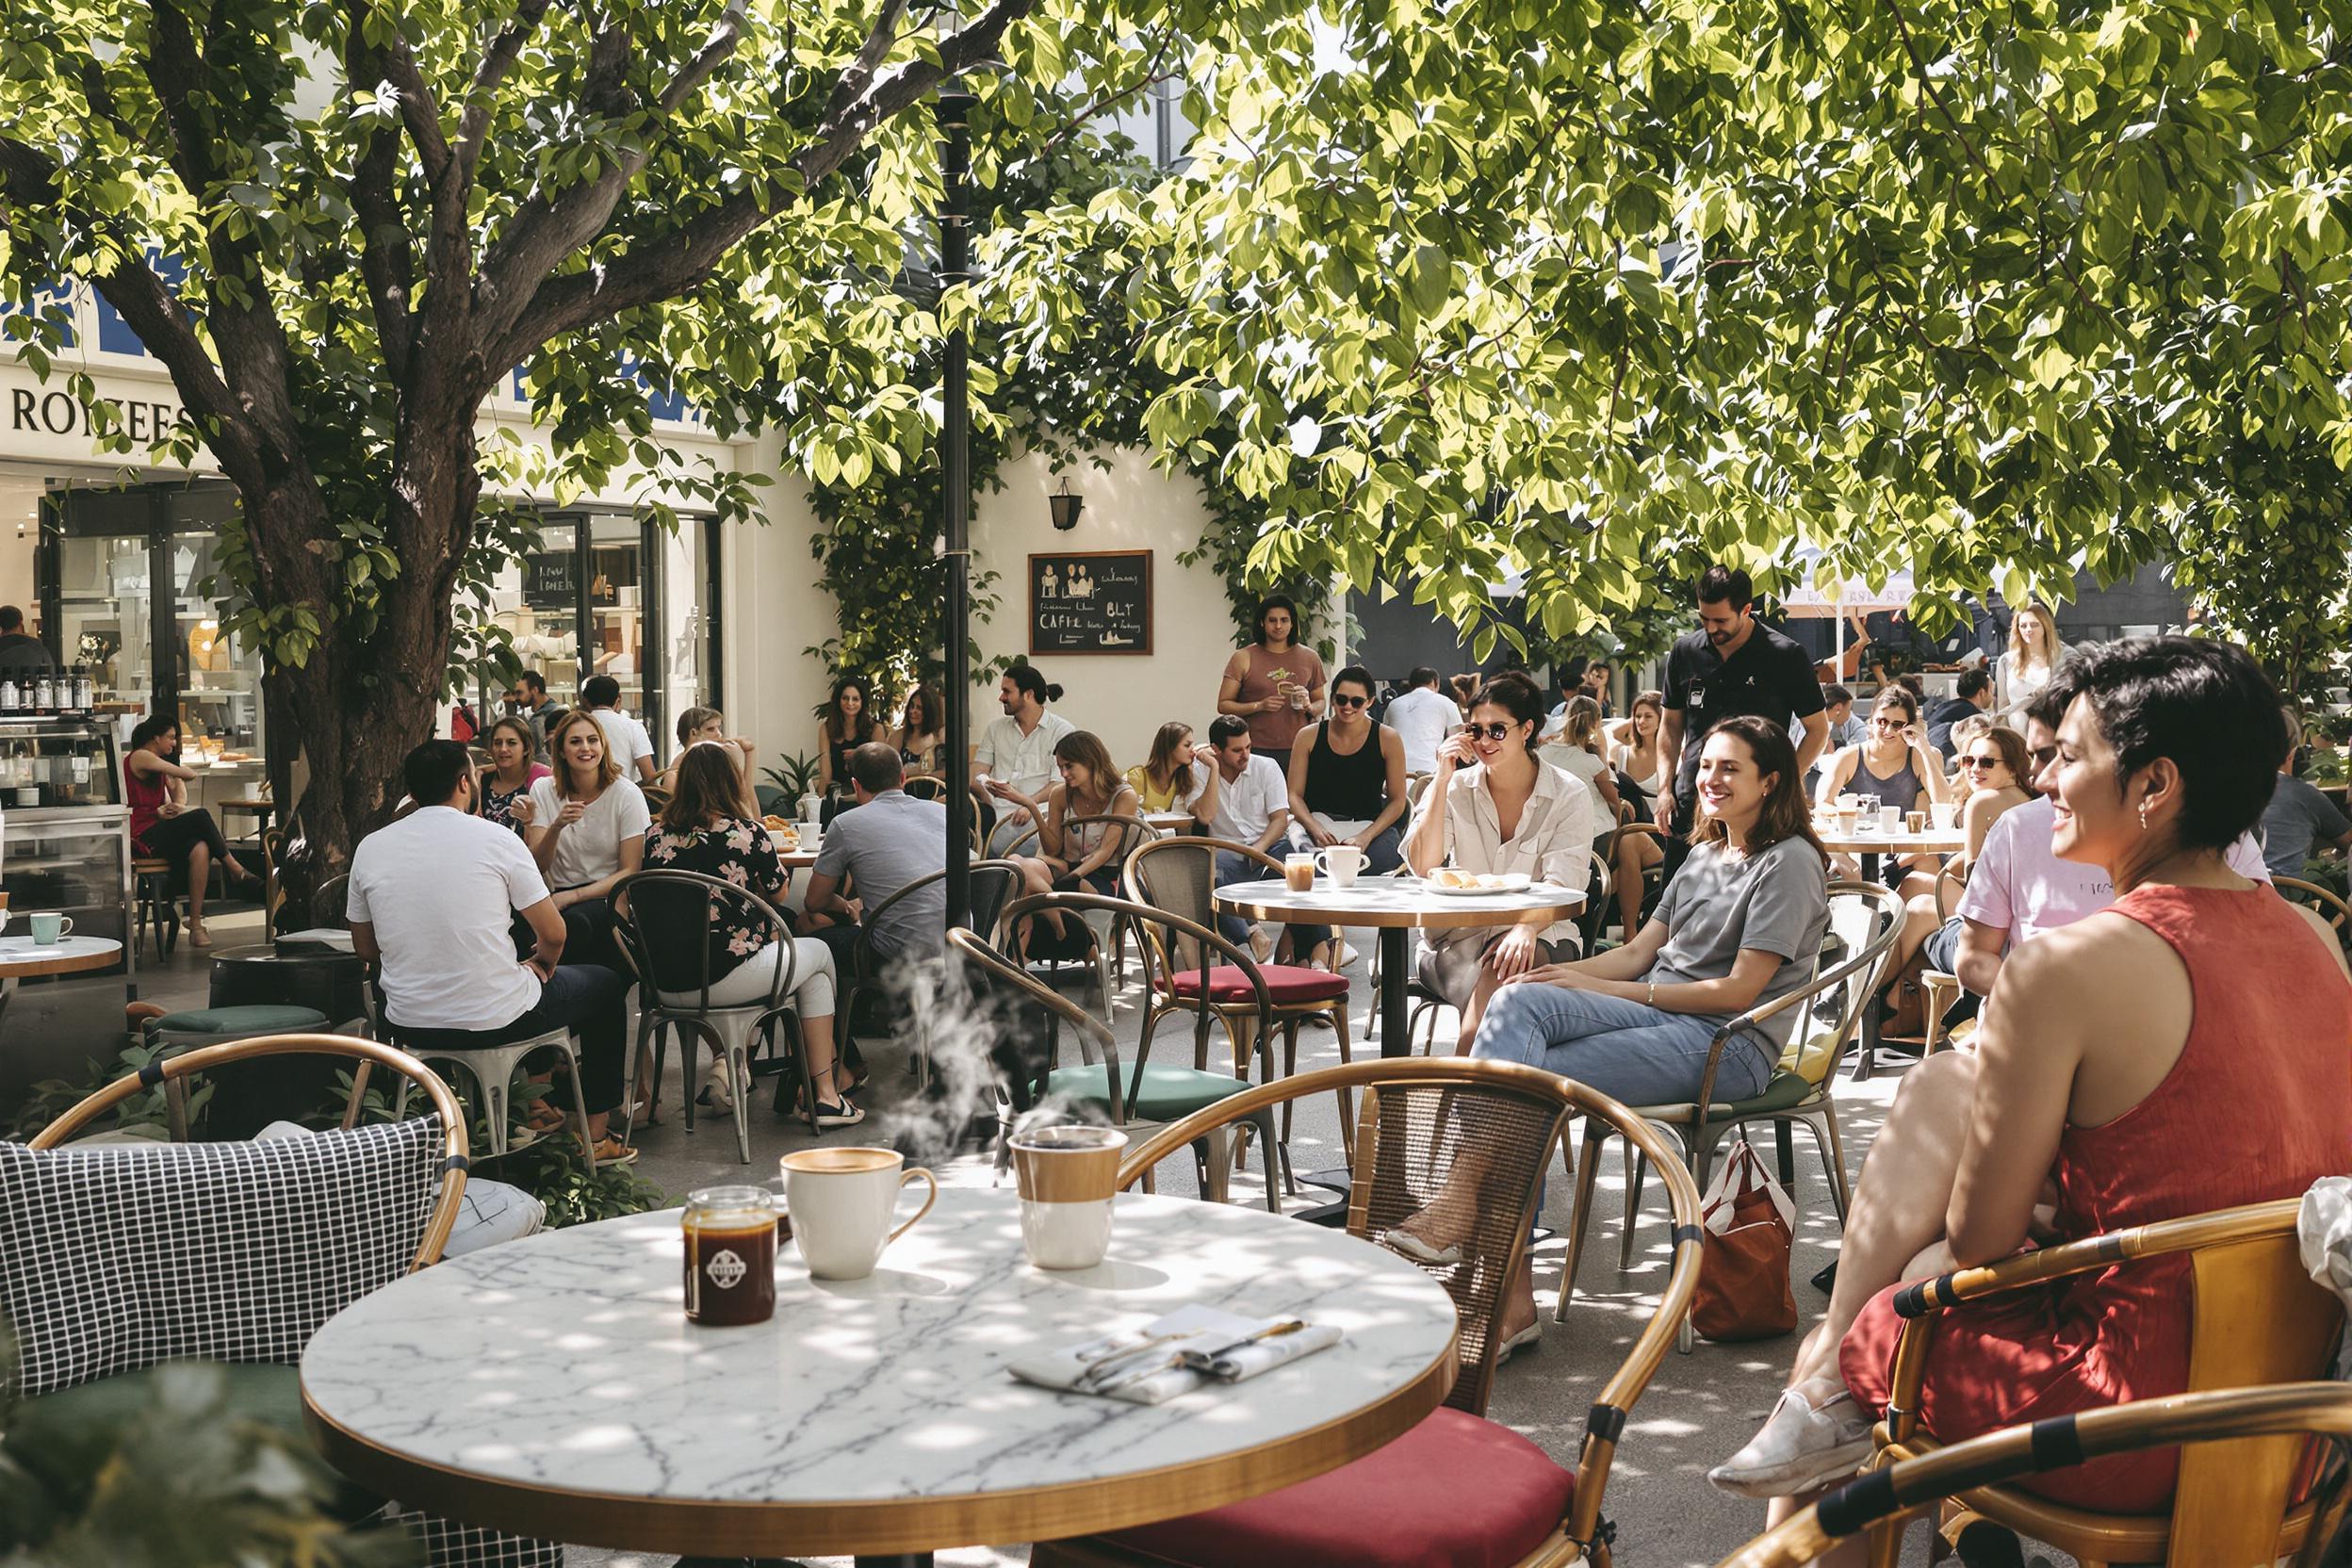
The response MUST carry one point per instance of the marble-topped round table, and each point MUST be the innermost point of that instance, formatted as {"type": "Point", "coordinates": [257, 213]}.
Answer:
{"type": "Point", "coordinates": [23, 958]}
{"type": "Point", "coordinates": [1393, 905]}
{"type": "Point", "coordinates": [553, 1387]}
{"type": "Point", "coordinates": [1932, 840]}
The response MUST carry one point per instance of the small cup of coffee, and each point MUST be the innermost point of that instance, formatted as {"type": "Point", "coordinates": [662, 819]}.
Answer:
{"type": "Point", "coordinates": [1299, 872]}
{"type": "Point", "coordinates": [1066, 1176]}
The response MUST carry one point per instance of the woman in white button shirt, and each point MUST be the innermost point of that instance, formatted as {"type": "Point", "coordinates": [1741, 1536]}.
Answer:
{"type": "Point", "coordinates": [586, 827]}
{"type": "Point", "coordinates": [1493, 806]}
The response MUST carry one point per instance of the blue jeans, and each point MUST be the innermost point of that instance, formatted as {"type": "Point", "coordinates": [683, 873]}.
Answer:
{"type": "Point", "coordinates": [588, 998]}
{"type": "Point", "coordinates": [1630, 1051]}
{"type": "Point", "coordinates": [1232, 868]}
{"type": "Point", "coordinates": [1386, 854]}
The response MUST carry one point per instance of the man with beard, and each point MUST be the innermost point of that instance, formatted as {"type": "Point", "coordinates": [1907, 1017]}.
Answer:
{"type": "Point", "coordinates": [1730, 666]}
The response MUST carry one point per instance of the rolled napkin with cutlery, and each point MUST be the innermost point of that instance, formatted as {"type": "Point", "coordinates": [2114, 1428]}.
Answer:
{"type": "Point", "coordinates": [1189, 1348]}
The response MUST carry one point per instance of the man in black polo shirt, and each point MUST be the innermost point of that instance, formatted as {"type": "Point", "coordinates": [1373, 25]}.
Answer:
{"type": "Point", "coordinates": [1729, 667]}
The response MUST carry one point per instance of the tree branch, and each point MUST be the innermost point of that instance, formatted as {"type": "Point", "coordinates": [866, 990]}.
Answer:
{"type": "Point", "coordinates": [856, 76]}
{"type": "Point", "coordinates": [409, 91]}
{"type": "Point", "coordinates": [473, 127]}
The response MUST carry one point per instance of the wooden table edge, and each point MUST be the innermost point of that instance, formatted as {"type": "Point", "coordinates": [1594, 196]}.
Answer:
{"type": "Point", "coordinates": [1433, 919]}
{"type": "Point", "coordinates": [27, 969]}
{"type": "Point", "coordinates": [880, 1527]}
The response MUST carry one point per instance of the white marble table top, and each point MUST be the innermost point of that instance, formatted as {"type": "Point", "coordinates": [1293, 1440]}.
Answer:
{"type": "Point", "coordinates": [532, 1383]}
{"type": "Point", "coordinates": [24, 956]}
{"type": "Point", "coordinates": [1394, 901]}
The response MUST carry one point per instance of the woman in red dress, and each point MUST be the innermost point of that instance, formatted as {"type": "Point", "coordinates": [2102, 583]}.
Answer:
{"type": "Point", "coordinates": [2187, 1049]}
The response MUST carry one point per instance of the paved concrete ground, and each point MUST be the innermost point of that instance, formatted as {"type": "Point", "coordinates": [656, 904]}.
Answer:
{"type": "Point", "coordinates": [1698, 1408]}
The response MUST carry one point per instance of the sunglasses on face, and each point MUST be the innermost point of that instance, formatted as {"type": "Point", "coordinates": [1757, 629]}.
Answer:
{"type": "Point", "coordinates": [1489, 731]}
{"type": "Point", "coordinates": [1341, 700]}
{"type": "Point", "coordinates": [1978, 761]}
{"type": "Point", "coordinates": [1889, 721]}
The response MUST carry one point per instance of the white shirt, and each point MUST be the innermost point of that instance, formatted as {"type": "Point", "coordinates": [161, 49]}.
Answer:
{"type": "Point", "coordinates": [625, 738]}
{"type": "Point", "coordinates": [441, 889]}
{"type": "Point", "coordinates": [1554, 843]}
{"type": "Point", "coordinates": [1246, 804]}
{"type": "Point", "coordinates": [1024, 761]}
{"type": "Point", "coordinates": [590, 849]}
{"type": "Point", "coordinates": [2019, 886]}
{"type": "Point", "coordinates": [1421, 718]}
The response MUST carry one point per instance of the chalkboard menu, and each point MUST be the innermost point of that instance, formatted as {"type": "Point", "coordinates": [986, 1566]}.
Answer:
{"type": "Point", "coordinates": [1096, 602]}
{"type": "Point", "coordinates": [551, 580]}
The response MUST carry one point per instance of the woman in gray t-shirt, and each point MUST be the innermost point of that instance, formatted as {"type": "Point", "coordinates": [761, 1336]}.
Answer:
{"type": "Point", "coordinates": [1739, 927]}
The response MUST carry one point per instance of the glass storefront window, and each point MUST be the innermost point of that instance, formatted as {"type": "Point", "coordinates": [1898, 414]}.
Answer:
{"type": "Point", "coordinates": [547, 624]}
{"type": "Point", "coordinates": [104, 619]}
{"type": "Point", "coordinates": [617, 617]}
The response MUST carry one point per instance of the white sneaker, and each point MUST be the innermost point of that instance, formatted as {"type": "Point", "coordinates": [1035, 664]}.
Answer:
{"type": "Point", "coordinates": [1801, 1448]}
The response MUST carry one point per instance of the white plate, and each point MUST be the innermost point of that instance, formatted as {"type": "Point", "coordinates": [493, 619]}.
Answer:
{"type": "Point", "coordinates": [1506, 882]}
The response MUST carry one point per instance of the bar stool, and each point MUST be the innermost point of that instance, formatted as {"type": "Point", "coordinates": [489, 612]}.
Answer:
{"type": "Point", "coordinates": [153, 878]}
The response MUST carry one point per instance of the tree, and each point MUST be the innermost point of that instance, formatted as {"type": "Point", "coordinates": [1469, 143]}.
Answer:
{"type": "Point", "coordinates": [1992, 293]}
{"type": "Point", "coordinates": [341, 224]}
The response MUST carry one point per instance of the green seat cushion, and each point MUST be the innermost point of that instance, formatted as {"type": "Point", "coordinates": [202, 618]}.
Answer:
{"type": "Point", "coordinates": [65, 1435]}
{"type": "Point", "coordinates": [1787, 1088]}
{"type": "Point", "coordinates": [1168, 1092]}
{"type": "Point", "coordinates": [258, 1019]}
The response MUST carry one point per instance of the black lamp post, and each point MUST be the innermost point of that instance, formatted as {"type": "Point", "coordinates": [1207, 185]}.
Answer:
{"type": "Point", "coordinates": [954, 112]}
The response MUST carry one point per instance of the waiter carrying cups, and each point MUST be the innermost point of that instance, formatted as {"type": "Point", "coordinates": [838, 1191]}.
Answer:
{"type": "Point", "coordinates": [1730, 667]}
{"type": "Point", "coordinates": [1274, 683]}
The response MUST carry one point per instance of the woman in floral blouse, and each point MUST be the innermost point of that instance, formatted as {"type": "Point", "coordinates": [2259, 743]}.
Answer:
{"type": "Point", "coordinates": [711, 826]}
{"type": "Point", "coordinates": [511, 774]}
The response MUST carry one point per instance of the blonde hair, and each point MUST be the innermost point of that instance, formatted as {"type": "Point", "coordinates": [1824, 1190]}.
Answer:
{"type": "Point", "coordinates": [2046, 656]}
{"type": "Point", "coordinates": [1583, 724]}
{"type": "Point", "coordinates": [607, 769]}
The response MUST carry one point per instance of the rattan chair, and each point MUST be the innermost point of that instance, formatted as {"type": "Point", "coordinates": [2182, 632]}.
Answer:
{"type": "Point", "coordinates": [1799, 1090]}
{"type": "Point", "coordinates": [2331, 906]}
{"type": "Point", "coordinates": [657, 798]}
{"type": "Point", "coordinates": [2255, 1317]}
{"type": "Point", "coordinates": [925, 786]}
{"type": "Point", "coordinates": [1506, 1502]}
{"type": "Point", "coordinates": [1121, 1097]}
{"type": "Point", "coordinates": [269, 1392]}
{"type": "Point", "coordinates": [1109, 934]}
{"type": "Point", "coordinates": [689, 905]}
{"type": "Point", "coordinates": [1178, 877]}
{"type": "Point", "coordinates": [2253, 1528]}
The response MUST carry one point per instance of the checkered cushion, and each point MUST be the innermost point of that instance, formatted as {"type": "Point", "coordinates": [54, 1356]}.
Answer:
{"type": "Point", "coordinates": [113, 1259]}
{"type": "Point", "coordinates": [450, 1545]}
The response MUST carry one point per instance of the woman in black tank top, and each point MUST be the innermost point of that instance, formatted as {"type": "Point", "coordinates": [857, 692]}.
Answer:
{"type": "Point", "coordinates": [1348, 797]}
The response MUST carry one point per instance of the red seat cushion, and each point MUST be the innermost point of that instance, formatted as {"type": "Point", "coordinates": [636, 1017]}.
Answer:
{"type": "Point", "coordinates": [1456, 1492]}
{"type": "Point", "coordinates": [1284, 983]}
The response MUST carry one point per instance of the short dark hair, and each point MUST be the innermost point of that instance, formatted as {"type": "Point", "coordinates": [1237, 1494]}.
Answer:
{"type": "Point", "coordinates": [1973, 681]}
{"type": "Point", "coordinates": [11, 618]}
{"type": "Point", "coordinates": [1719, 582]}
{"type": "Point", "coordinates": [1029, 678]}
{"type": "Point", "coordinates": [2048, 706]}
{"type": "Point", "coordinates": [601, 690]}
{"type": "Point", "coordinates": [153, 726]}
{"type": "Point", "coordinates": [430, 772]}
{"type": "Point", "coordinates": [1422, 676]}
{"type": "Point", "coordinates": [1833, 695]}
{"type": "Point", "coordinates": [2205, 704]}
{"type": "Point", "coordinates": [876, 766]}
{"type": "Point", "coordinates": [531, 681]}
{"type": "Point", "coordinates": [1225, 726]}
{"type": "Point", "coordinates": [1358, 674]}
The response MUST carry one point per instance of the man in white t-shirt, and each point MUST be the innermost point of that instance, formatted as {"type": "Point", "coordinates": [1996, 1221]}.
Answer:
{"type": "Point", "coordinates": [432, 905]}
{"type": "Point", "coordinates": [2017, 889]}
{"type": "Point", "coordinates": [624, 737]}
{"type": "Point", "coordinates": [1016, 752]}
{"type": "Point", "coordinates": [1252, 807]}
{"type": "Point", "coordinates": [1421, 717]}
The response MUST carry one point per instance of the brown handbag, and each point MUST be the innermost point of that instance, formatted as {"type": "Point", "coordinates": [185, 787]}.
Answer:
{"type": "Point", "coordinates": [1744, 1249]}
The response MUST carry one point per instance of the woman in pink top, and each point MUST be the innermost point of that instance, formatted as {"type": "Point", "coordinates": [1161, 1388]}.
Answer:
{"type": "Point", "coordinates": [155, 788]}
{"type": "Point", "coordinates": [2198, 1012]}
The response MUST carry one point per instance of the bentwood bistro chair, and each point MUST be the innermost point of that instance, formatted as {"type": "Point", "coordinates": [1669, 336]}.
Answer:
{"type": "Point", "coordinates": [1457, 1490]}
{"type": "Point", "coordinates": [2255, 1317]}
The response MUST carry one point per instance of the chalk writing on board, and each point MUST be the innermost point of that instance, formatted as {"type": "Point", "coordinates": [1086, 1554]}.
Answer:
{"type": "Point", "coordinates": [1090, 602]}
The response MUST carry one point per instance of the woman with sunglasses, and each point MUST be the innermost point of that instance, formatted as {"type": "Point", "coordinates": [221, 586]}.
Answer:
{"type": "Point", "coordinates": [1346, 786]}
{"type": "Point", "coordinates": [1494, 806]}
{"type": "Point", "coordinates": [1996, 773]}
{"type": "Point", "coordinates": [1895, 766]}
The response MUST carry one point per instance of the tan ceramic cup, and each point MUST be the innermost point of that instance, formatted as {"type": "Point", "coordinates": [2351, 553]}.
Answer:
{"type": "Point", "coordinates": [1068, 1176]}
{"type": "Point", "coordinates": [843, 1201]}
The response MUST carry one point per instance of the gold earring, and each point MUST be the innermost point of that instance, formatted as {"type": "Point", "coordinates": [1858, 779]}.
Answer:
{"type": "Point", "coordinates": [2143, 816]}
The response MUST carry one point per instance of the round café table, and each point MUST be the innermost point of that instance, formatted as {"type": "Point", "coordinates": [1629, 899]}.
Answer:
{"type": "Point", "coordinates": [553, 1387]}
{"type": "Point", "coordinates": [23, 958]}
{"type": "Point", "coordinates": [1393, 905]}
{"type": "Point", "coordinates": [1170, 821]}
{"type": "Point", "coordinates": [1870, 845]}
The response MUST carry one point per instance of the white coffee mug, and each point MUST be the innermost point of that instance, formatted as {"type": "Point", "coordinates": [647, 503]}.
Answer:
{"type": "Point", "coordinates": [1890, 819]}
{"type": "Point", "coordinates": [1941, 813]}
{"type": "Point", "coordinates": [1342, 863]}
{"type": "Point", "coordinates": [841, 1202]}
{"type": "Point", "coordinates": [1066, 1176]}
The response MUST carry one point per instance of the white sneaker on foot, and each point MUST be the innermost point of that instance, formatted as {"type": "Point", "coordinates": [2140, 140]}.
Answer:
{"type": "Point", "coordinates": [1802, 1447]}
